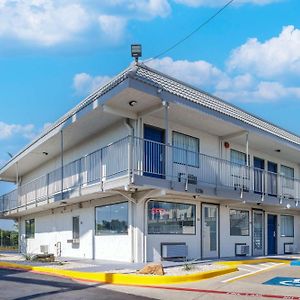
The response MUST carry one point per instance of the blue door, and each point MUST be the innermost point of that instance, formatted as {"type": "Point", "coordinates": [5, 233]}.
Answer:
{"type": "Point", "coordinates": [272, 234]}
{"type": "Point", "coordinates": [154, 152]}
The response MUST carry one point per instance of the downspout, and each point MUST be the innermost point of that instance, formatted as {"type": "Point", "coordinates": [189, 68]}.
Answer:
{"type": "Point", "coordinates": [131, 206]}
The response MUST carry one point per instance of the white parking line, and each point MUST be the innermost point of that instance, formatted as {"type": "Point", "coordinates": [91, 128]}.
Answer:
{"type": "Point", "coordinates": [252, 273]}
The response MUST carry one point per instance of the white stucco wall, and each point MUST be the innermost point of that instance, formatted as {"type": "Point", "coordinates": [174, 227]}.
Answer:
{"type": "Point", "coordinates": [56, 226]}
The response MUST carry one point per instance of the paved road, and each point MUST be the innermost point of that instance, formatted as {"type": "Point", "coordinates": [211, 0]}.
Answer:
{"type": "Point", "coordinates": [25, 285]}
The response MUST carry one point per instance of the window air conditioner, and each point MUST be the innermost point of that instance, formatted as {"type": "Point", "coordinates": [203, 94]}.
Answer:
{"type": "Point", "coordinates": [192, 179]}
{"type": "Point", "coordinates": [242, 249]}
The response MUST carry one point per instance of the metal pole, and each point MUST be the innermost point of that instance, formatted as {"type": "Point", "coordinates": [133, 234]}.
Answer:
{"type": "Point", "coordinates": [166, 117]}
{"type": "Point", "coordinates": [62, 163]}
{"type": "Point", "coordinates": [247, 149]}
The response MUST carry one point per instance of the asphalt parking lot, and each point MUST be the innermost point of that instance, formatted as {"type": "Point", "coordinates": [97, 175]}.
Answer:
{"type": "Point", "coordinates": [19, 285]}
{"type": "Point", "coordinates": [248, 283]}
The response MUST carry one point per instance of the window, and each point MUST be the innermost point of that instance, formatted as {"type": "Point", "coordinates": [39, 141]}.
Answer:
{"type": "Point", "coordinates": [75, 228]}
{"type": "Point", "coordinates": [171, 218]}
{"type": "Point", "coordinates": [186, 149]}
{"type": "Point", "coordinates": [239, 222]}
{"type": "Point", "coordinates": [112, 219]}
{"type": "Point", "coordinates": [288, 179]}
{"type": "Point", "coordinates": [29, 229]}
{"type": "Point", "coordinates": [238, 157]}
{"type": "Point", "coordinates": [287, 225]}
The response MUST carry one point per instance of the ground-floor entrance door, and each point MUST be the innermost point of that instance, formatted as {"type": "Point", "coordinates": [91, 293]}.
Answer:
{"type": "Point", "coordinates": [258, 233]}
{"type": "Point", "coordinates": [210, 230]}
{"type": "Point", "coordinates": [272, 234]}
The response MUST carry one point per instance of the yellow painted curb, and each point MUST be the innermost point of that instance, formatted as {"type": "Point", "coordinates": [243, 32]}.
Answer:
{"type": "Point", "coordinates": [124, 279]}
{"type": "Point", "coordinates": [252, 261]}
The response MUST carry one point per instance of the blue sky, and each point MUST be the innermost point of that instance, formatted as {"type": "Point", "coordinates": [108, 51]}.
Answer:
{"type": "Point", "coordinates": [54, 52]}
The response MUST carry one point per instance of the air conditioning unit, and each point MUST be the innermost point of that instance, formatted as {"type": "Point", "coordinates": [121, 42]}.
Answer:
{"type": "Point", "coordinates": [192, 179]}
{"type": "Point", "coordinates": [44, 249]}
{"type": "Point", "coordinates": [174, 250]}
{"type": "Point", "coordinates": [242, 249]}
{"type": "Point", "coordinates": [289, 248]}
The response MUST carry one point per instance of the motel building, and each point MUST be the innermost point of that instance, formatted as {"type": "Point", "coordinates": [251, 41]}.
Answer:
{"type": "Point", "coordinates": [148, 168]}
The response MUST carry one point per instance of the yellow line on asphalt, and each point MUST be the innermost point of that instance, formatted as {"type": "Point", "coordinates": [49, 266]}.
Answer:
{"type": "Point", "coordinates": [251, 273]}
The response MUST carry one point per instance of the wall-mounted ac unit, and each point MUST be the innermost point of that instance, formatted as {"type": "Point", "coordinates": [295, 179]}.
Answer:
{"type": "Point", "coordinates": [192, 179]}
{"type": "Point", "coordinates": [174, 250]}
{"type": "Point", "coordinates": [44, 249]}
{"type": "Point", "coordinates": [242, 249]}
{"type": "Point", "coordinates": [288, 248]}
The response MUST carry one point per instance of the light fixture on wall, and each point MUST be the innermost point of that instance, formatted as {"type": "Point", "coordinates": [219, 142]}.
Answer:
{"type": "Point", "coordinates": [297, 203]}
{"type": "Point", "coordinates": [132, 103]}
{"type": "Point", "coordinates": [288, 206]}
{"type": "Point", "coordinates": [280, 200]}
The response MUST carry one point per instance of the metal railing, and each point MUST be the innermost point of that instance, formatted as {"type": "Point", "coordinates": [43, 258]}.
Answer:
{"type": "Point", "coordinates": [135, 156]}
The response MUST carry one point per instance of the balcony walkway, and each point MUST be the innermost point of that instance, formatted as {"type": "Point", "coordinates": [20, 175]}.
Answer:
{"type": "Point", "coordinates": [138, 162]}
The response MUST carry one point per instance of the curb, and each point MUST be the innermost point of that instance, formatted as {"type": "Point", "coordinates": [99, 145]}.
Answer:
{"type": "Point", "coordinates": [121, 279]}
{"type": "Point", "coordinates": [252, 261]}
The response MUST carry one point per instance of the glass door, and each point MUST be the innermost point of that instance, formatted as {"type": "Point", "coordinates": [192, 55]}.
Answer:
{"type": "Point", "coordinates": [259, 166]}
{"type": "Point", "coordinates": [258, 233]}
{"type": "Point", "coordinates": [210, 231]}
{"type": "Point", "coordinates": [272, 179]}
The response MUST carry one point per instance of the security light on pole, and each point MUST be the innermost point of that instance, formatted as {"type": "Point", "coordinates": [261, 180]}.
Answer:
{"type": "Point", "coordinates": [136, 51]}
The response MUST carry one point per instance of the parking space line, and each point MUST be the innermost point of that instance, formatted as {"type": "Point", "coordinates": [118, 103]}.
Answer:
{"type": "Point", "coordinates": [244, 269]}
{"type": "Point", "coordinates": [250, 273]}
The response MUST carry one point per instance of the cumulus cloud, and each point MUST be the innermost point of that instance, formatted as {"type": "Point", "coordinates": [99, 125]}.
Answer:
{"type": "Point", "coordinates": [84, 83]}
{"type": "Point", "coordinates": [51, 22]}
{"type": "Point", "coordinates": [9, 130]}
{"type": "Point", "coordinates": [277, 56]}
{"type": "Point", "coordinates": [112, 26]}
{"type": "Point", "coordinates": [263, 91]}
{"type": "Point", "coordinates": [45, 22]}
{"type": "Point", "coordinates": [214, 3]}
{"type": "Point", "coordinates": [200, 73]}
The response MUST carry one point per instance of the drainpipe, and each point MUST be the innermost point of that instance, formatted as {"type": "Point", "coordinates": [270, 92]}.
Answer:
{"type": "Point", "coordinates": [130, 142]}
{"type": "Point", "coordinates": [130, 171]}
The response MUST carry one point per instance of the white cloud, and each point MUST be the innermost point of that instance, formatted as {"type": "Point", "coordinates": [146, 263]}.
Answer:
{"type": "Point", "coordinates": [112, 26]}
{"type": "Point", "coordinates": [200, 73]}
{"type": "Point", "coordinates": [245, 87]}
{"type": "Point", "coordinates": [214, 3]}
{"type": "Point", "coordinates": [84, 83]}
{"type": "Point", "coordinates": [9, 130]}
{"type": "Point", "coordinates": [277, 56]}
{"type": "Point", "coordinates": [45, 22]}
{"type": "Point", "coordinates": [264, 91]}
{"type": "Point", "coordinates": [52, 22]}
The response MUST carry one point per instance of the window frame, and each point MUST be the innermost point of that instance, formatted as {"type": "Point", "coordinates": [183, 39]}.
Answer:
{"type": "Point", "coordinates": [73, 231]}
{"type": "Point", "coordinates": [283, 235]}
{"type": "Point", "coordinates": [30, 234]}
{"type": "Point", "coordinates": [248, 227]}
{"type": "Point", "coordinates": [183, 234]}
{"type": "Point", "coordinates": [197, 165]}
{"type": "Point", "coordinates": [290, 183]}
{"type": "Point", "coordinates": [97, 233]}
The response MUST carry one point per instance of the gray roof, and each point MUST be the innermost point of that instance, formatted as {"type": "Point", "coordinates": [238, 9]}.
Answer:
{"type": "Point", "coordinates": [176, 87]}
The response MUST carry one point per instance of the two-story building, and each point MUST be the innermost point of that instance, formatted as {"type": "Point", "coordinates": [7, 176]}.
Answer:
{"type": "Point", "coordinates": [148, 167]}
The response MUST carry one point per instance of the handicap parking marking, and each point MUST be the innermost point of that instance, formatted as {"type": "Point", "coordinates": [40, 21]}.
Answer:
{"type": "Point", "coordinates": [258, 270]}
{"type": "Point", "coordinates": [284, 281]}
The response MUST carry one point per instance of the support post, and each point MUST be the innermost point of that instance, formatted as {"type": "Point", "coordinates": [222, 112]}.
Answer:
{"type": "Point", "coordinates": [62, 163]}
{"type": "Point", "coordinates": [166, 125]}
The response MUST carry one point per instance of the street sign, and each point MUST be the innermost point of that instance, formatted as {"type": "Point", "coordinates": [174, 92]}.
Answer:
{"type": "Point", "coordinates": [284, 281]}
